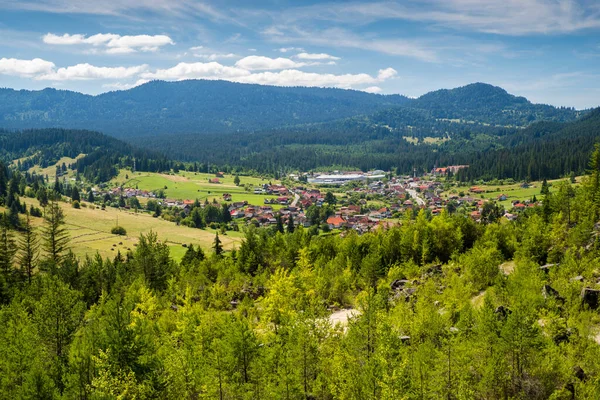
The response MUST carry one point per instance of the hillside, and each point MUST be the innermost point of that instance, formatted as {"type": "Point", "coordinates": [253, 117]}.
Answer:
{"type": "Point", "coordinates": [193, 106]}
{"type": "Point", "coordinates": [382, 141]}
{"type": "Point", "coordinates": [103, 155]}
{"type": "Point", "coordinates": [485, 103]}
{"type": "Point", "coordinates": [200, 107]}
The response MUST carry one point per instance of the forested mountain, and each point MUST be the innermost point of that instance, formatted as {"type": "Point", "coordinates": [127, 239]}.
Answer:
{"type": "Point", "coordinates": [193, 106]}
{"type": "Point", "coordinates": [103, 154]}
{"type": "Point", "coordinates": [481, 102]}
{"type": "Point", "coordinates": [200, 107]}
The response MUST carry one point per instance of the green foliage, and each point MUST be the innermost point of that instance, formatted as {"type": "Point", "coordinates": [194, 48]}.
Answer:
{"type": "Point", "coordinates": [118, 230]}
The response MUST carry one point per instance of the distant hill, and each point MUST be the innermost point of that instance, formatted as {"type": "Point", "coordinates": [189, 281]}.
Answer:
{"type": "Point", "coordinates": [481, 102]}
{"type": "Point", "coordinates": [104, 155]}
{"type": "Point", "coordinates": [201, 107]}
{"type": "Point", "coordinates": [192, 106]}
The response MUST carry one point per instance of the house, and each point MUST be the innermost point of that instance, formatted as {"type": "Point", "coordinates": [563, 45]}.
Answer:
{"type": "Point", "coordinates": [214, 180]}
{"type": "Point", "coordinates": [336, 222]}
{"type": "Point", "coordinates": [476, 189]}
{"type": "Point", "coordinates": [220, 174]}
{"type": "Point", "coordinates": [502, 197]}
{"type": "Point", "coordinates": [226, 196]}
{"type": "Point", "coordinates": [237, 214]}
{"type": "Point", "coordinates": [525, 185]}
{"type": "Point", "coordinates": [510, 217]}
{"type": "Point", "coordinates": [476, 215]}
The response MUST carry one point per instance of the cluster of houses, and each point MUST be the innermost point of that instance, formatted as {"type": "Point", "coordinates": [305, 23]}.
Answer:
{"type": "Point", "coordinates": [125, 192]}
{"type": "Point", "coordinates": [399, 194]}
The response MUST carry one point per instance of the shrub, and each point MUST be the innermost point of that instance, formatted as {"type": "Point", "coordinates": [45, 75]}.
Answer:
{"type": "Point", "coordinates": [76, 204]}
{"type": "Point", "coordinates": [118, 230]}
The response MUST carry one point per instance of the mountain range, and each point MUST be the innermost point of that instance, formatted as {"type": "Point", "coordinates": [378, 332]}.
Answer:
{"type": "Point", "coordinates": [204, 106]}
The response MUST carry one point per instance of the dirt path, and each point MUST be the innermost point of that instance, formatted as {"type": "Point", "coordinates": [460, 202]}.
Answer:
{"type": "Point", "coordinates": [341, 317]}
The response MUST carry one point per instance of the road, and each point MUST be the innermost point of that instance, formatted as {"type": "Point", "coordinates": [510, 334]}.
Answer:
{"type": "Point", "coordinates": [296, 199]}
{"type": "Point", "coordinates": [415, 196]}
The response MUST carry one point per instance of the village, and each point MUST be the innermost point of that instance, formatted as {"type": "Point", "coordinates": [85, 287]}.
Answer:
{"type": "Point", "coordinates": [350, 201]}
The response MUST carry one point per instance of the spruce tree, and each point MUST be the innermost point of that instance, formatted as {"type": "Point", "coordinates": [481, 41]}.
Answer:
{"type": "Point", "coordinates": [217, 246]}
{"type": "Point", "coordinates": [290, 224]}
{"type": "Point", "coordinates": [56, 237]}
{"type": "Point", "coordinates": [28, 246]}
{"type": "Point", "coordinates": [8, 248]}
{"type": "Point", "coordinates": [75, 194]}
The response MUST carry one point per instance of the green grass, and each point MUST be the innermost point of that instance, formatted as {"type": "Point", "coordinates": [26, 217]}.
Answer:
{"type": "Point", "coordinates": [89, 229]}
{"type": "Point", "coordinates": [513, 192]}
{"type": "Point", "coordinates": [191, 186]}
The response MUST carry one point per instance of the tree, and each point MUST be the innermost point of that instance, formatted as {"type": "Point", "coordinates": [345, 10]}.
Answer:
{"type": "Point", "coordinates": [75, 194]}
{"type": "Point", "coordinates": [153, 261]}
{"type": "Point", "coordinates": [236, 180]}
{"type": "Point", "coordinates": [330, 198]}
{"type": "Point", "coordinates": [90, 197]}
{"type": "Point", "coordinates": [42, 196]}
{"type": "Point", "coordinates": [290, 224]}
{"type": "Point", "coordinates": [217, 246]}
{"type": "Point", "coordinates": [226, 216]}
{"type": "Point", "coordinates": [58, 314]}
{"type": "Point", "coordinates": [28, 246]}
{"type": "Point", "coordinates": [279, 223]}
{"type": "Point", "coordinates": [8, 249]}
{"type": "Point", "coordinates": [545, 189]}
{"type": "Point", "coordinates": [56, 237]}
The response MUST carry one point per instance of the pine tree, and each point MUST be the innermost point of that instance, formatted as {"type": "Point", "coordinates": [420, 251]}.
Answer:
{"type": "Point", "coordinates": [290, 224]}
{"type": "Point", "coordinates": [42, 196]}
{"type": "Point", "coordinates": [91, 197]}
{"type": "Point", "coordinates": [7, 248]}
{"type": "Point", "coordinates": [56, 237]}
{"type": "Point", "coordinates": [75, 194]}
{"type": "Point", "coordinates": [28, 246]}
{"type": "Point", "coordinates": [279, 223]}
{"type": "Point", "coordinates": [217, 246]}
{"type": "Point", "coordinates": [545, 190]}
{"type": "Point", "coordinates": [236, 180]}
{"type": "Point", "coordinates": [225, 212]}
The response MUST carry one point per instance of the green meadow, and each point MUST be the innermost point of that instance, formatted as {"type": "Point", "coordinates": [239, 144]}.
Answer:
{"type": "Point", "coordinates": [192, 186]}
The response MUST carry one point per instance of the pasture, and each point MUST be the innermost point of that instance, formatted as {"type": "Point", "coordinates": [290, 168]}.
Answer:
{"type": "Point", "coordinates": [89, 229]}
{"type": "Point", "coordinates": [192, 186]}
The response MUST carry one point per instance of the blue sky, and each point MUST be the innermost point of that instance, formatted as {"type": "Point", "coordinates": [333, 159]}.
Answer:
{"type": "Point", "coordinates": [545, 50]}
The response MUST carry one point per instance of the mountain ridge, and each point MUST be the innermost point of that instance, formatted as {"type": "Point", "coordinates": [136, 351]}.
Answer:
{"type": "Point", "coordinates": [205, 106]}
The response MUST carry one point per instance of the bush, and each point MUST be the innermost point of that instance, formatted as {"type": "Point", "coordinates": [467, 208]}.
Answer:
{"type": "Point", "coordinates": [76, 204]}
{"type": "Point", "coordinates": [118, 230]}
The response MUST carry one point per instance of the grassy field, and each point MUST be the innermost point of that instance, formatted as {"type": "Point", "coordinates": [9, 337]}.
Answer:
{"type": "Point", "coordinates": [51, 170]}
{"type": "Point", "coordinates": [513, 192]}
{"type": "Point", "coordinates": [89, 229]}
{"type": "Point", "coordinates": [191, 186]}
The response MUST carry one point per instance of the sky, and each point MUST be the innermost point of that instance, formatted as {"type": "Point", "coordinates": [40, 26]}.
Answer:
{"type": "Point", "coordinates": [545, 50]}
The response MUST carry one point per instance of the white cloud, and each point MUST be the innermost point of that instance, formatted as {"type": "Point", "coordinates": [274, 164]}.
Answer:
{"type": "Point", "coordinates": [317, 56]}
{"type": "Point", "coordinates": [211, 70]}
{"type": "Point", "coordinates": [504, 17]}
{"type": "Point", "coordinates": [293, 77]}
{"type": "Point", "coordinates": [385, 74]}
{"type": "Point", "coordinates": [196, 48]}
{"type": "Point", "coordinates": [124, 86]}
{"type": "Point", "coordinates": [254, 63]}
{"type": "Point", "coordinates": [373, 89]}
{"type": "Point", "coordinates": [89, 72]}
{"type": "Point", "coordinates": [337, 37]}
{"type": "Point", "coordinates": [25, 68]}
{"type": "Point", "coordinates": [288, 49]}
{"type": "Point", "coordinates": [215, 56]}
{"type": "Point", "coordinates": [112, 43]}
{"type": "Point", "coordinates": [287, 77]}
